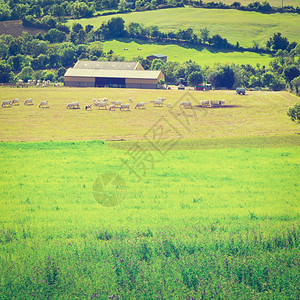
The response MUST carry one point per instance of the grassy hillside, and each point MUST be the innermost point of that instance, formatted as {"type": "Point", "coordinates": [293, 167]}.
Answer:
{"type": "Point", "coordinates": [275, 3]}
{"type": "Point", "coordinates": [199, 224]}
{"type": "Point", "coordinates": [202, 56]}
{"type": "Point", "coordinates": [236, 26]}
{"type": "Point", "coordinates": [256, 114]}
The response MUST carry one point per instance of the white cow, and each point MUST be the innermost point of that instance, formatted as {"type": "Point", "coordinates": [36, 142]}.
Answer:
{"type": "Point", "coordinates": [44, 104]}
{"type": "Point", "coordinates": [204, 103]}
{"type": "Point", "coordinates": [6, 103]}
{"type": "Point", "coordinates": [187, 104]}
{"type": "Point", "coordinates": [112, 107]}
{"type": "Point", "coordinates": [157, 102]}
{"type": "Point", "coordinates": [140, 105]}
{"type": "Point", "coordinates": [101, 104]}
{"type": "Point", "coordinates": [116, 103]}
{"type": "Point", "coordinates": [124, 107]}
{"type": "Point", "coordinates": [73, 105]}
{"type": "Point", "coordinates": [28, 101]}
{"type": "Point", "coordinates": [15, 101]}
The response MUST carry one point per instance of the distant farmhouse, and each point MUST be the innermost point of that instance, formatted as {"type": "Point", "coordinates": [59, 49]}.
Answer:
{"type": "Point", "coordinates": [157, 56]}
{"type": "Point", "coordinates": [112, 74]}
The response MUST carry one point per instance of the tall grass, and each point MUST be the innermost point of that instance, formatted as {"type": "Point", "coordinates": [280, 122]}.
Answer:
{"type": "Point", "coordinates": [219, 223]}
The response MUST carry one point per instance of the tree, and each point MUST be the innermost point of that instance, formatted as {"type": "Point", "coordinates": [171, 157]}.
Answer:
{"type": "Point", "coordinates": [81, 10]}
{"type": "Point", "coordinates": [88, 28]}
{"type": "Point", "coordinates": [277, 42]}
{"type": "Point", "coordinates": [5, 12]}
{"type": "Point", "coordinates": [296, 84]}
{"type": "Point", "coordinates": [55, 36]}
{"type": "Point", "coordinates": [267, 78]}
{"type": "Point", "coordinates": [116, 27]}
{"type": "Point", "coordinates": [294, 113]}
{"type": "Point", "coordinates": [278, 84]}
{"type": "Point", "coordinates": [195, 78]}
{"type": "Point", "coordinates": [6, 74]}
{"type": "Point", "coordinates": [61, 71]}
{"type": "Point", "coordinates": [122, 5]}
{"type": "Point", "coordinates": [95, 49]}
{"type": "Point", "coordinates": [26, 73]}
{"type": "Point", "coordinates": [204, 34]}
{"type": "Point", "coordinates": [157, 64]}
{"type": "Point", "coordinates": [291, 72]}
{"type": "Point", "coordinates": [223, 76]}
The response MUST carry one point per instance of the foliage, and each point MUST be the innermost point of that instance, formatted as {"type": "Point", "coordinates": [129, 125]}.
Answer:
{"type": "Point", "coordinates": [6, 74]}
{"type": "Point", "coordinates": [291, 72]}
{"type": "Point", "coordinates": [223, 76]}
{"type": "Point", "coordinates": [277, 42]}
{"type": "Point", "coordinates": [296, 84]}
{"type": "Point", "coordinates": [294, 113]}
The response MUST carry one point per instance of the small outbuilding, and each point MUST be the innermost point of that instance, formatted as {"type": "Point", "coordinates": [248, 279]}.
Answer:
{"type": "Point", "coordinates": [112, 74]}
{"type": "Point", "coordinates": [157, 56]}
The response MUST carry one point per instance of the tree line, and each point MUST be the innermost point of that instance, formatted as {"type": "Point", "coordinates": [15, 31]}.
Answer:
{"type": "Point", "coordinates": [37, 56]}
{"type": "Point", "coordinates": [19, 9]}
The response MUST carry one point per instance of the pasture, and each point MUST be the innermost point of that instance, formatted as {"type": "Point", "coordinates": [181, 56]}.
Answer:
{"type": "Point", "coordinates": [256, 114]}
{"type": "Point", "coordinates": [182, 53]}
{"type": "Point", "coordinates": [210, 208]}
{"type": "Point", "coordinates": [234, 25]}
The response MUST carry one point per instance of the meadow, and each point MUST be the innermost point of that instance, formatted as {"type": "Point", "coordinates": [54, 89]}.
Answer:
{"type": "Point", "coordinates": [275, 3]}
{"type": "Point", "coordinates": [256, 114]}
{"type": "Point", "coordinates": [234, 25]}
{"type": "Point", "coordinates": [180, 53]}
{"type": "Point", "coordinates": [208, 211]}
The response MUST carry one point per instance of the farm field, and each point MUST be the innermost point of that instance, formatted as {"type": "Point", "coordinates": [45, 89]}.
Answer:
{"type": "Point", "coordinates": [208, 199]}
{"type": "Point", "coordinates": [200, 223]}
{"type": "Point", "coordinates": [256, 114]}
{"type": "Point", "coordinates": [234, 25]}
{"type": "Point", "coordinates": [203, 56]}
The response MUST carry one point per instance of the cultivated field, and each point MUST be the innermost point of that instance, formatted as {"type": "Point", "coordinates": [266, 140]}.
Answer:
{"type": "Point", "coordinates": [236, 26]}
{"type": "Point", "coordinates": [203, 56]}
{"type": "Point", "coordinates": [210, 213]}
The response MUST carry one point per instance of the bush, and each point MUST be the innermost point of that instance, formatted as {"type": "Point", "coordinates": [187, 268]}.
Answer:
{"type": "Point", "coordinates": [294, 113]}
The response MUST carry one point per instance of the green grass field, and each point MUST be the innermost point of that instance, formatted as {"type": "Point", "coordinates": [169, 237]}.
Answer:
{"type": "Point", "coordinates": [275, 3]}
{"type": "Point", "coordinates": [208, 198]}
{"type": "Point", "coordinates": [202, 56]}
{"type": "Point", "coordinates": [236, 26]}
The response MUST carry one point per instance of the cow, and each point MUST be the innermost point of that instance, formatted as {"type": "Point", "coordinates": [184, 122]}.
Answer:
{"type": "Point", "coordinates": [124, 107]}
{"type": "Point", "coordinates": [140, 105]}
{"type": "Point", "coordinates": [204, 103]}
{"type": "Point", "coordinates": [101, 104]}
{"type": "Point", "coordinates": [88, 107]}
{"type": "Point", "coordinates": [112, 107]}
{"type": "Point", "coordinates": [28, 101]}
{"type": "Point", "coordinates": [44, 104]}
{"type": "Point", "coordinates": [6, 103]}
{"type": "Point", "coordinates": [73, 105]}
{"type": "Point", "coordinates": [157, 102]}
{"type": "Point", "coordinates": [15, 101]}
{"type": "Point", "coordinates": [187, 104]}
{"type": "Point", "coordinates": [116, 103]}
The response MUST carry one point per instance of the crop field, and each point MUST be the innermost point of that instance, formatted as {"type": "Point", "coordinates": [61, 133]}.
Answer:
{"type": "Point", "coordinates": [234, 25]}
{"type": "Point", "coordinates": [160, 203]}
{"type": "Point", "coordinates": [203, 56]}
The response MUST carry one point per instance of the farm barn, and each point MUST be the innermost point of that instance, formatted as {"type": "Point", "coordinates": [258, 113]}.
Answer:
{"type": "Point", "coordinates": [112, 74]}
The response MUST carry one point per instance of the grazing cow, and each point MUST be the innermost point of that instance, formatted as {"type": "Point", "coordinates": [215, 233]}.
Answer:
{"type": "Point", "coordinates": [116, 103]}
{"type": "Point", "coordinates": [124, 107]}
{"type": "Point", "coordinates": [101, 104]}
{"type": "Point", "coordinates": [221, 102]}
{"type": "Point", "coordinates": [112, 107]}
{"type": "Point", "coordinates": [187, 104]}
{"type": "Point", "coordinates": [44, 104]}
{"type": "Point", "coordinates": [130, 100]}
{"type": "Point", "coordinates": [140, 105]}
{"type": "Point", "coordinates": [15, 101]}
{"type": "Point", "coordinates": [6, 103]}
{"type": "Point", "coordinates": [204, 103]}
{"type": "Point", "coordinates": [88, 107]}
{"type": "Point", "coordinates": [28, 101]}
{"type": "Point", "coordinates": [157, 102]}
{"type": "Point", "coordinates": [73, 105]}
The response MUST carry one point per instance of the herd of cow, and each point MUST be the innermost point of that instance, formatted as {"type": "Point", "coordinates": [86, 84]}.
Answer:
{"type": "Point", "coordinates": [102, 103]}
